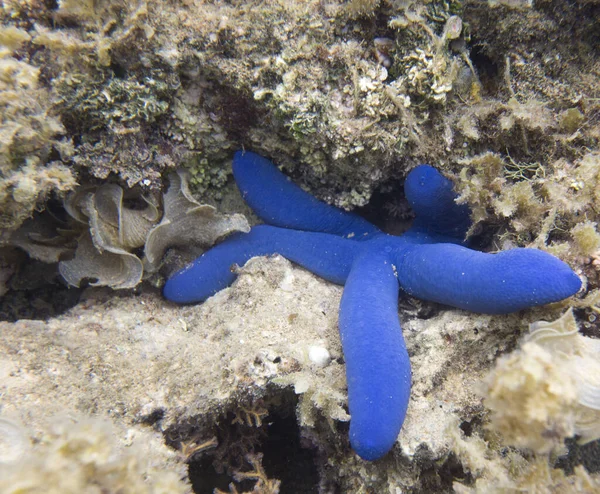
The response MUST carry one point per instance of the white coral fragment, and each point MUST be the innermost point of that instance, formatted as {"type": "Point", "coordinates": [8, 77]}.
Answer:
{"type": "Point", "coordinates": [549, 389]}
{"type": "Point", "coordinates": [319, 356]}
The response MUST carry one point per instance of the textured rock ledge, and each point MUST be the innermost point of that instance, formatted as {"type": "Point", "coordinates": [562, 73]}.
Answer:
{"type": "Point", "coordinates": [178, 375]}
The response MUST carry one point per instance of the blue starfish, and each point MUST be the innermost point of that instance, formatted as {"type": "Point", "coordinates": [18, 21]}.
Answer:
{"type": "Point", "coordinates": [430, 261]}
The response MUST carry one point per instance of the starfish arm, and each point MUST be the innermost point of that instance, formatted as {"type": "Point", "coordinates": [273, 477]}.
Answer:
{"type": "Point", "coordinates": [377, 363]}
{"type": "Point", "coordinates": [280, 202]}
{"type": "Point", "coordinates": [490, 283]}
{"type": "Point", "coordinates": [328, 256]}
{"type": "Point", "coordinates": [433, 200]}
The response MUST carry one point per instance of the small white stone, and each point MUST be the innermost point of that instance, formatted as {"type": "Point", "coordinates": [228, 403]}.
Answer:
{"type": "Point", "coordinates": [287, 284]}
{"type": "Point", "coordinates": [319, 356]}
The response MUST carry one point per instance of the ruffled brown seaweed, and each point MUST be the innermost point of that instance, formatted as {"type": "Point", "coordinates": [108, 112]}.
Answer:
{"type": "Point", "coordinates": [110, 233]}
{"type": "Point", "coordinates": [187, 222]}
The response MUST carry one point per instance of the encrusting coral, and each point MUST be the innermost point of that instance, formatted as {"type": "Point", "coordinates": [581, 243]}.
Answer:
{"type": "Point", "coordinates": [156, 84]}
{"type": "Point", "coordinates": [347, 96]}
{"type": "Point", "coordinates": [429, 261]}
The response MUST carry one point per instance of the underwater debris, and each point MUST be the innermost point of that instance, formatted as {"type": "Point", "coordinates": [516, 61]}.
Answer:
{"type": "Point", "coordinates": [549, 389]}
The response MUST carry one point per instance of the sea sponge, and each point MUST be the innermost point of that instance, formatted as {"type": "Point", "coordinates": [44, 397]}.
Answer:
{"type": "Point", "coordinates": [549, 389]}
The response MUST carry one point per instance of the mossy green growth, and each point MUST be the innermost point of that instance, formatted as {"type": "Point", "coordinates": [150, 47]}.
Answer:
{"type": "Point", "coordinates": [571, 120]}
{"type": "Point", "coordinates": [120, 105]}
{"type": "Point", "coordinates": [551, 206]}
{"type": "Point", "coordinates": [206, 174]}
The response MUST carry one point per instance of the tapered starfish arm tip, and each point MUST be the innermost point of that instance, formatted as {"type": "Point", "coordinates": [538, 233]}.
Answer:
{"type": "Point", "coordinates": [377, 363]}
{"type": "Point", "coordinates": [280, 202]}
{"type": "Point", "coordinates": [500, 283]}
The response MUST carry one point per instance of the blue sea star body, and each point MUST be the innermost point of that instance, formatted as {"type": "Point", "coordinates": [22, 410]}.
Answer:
{"type": "Point", "coordinates": [429, 261]}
